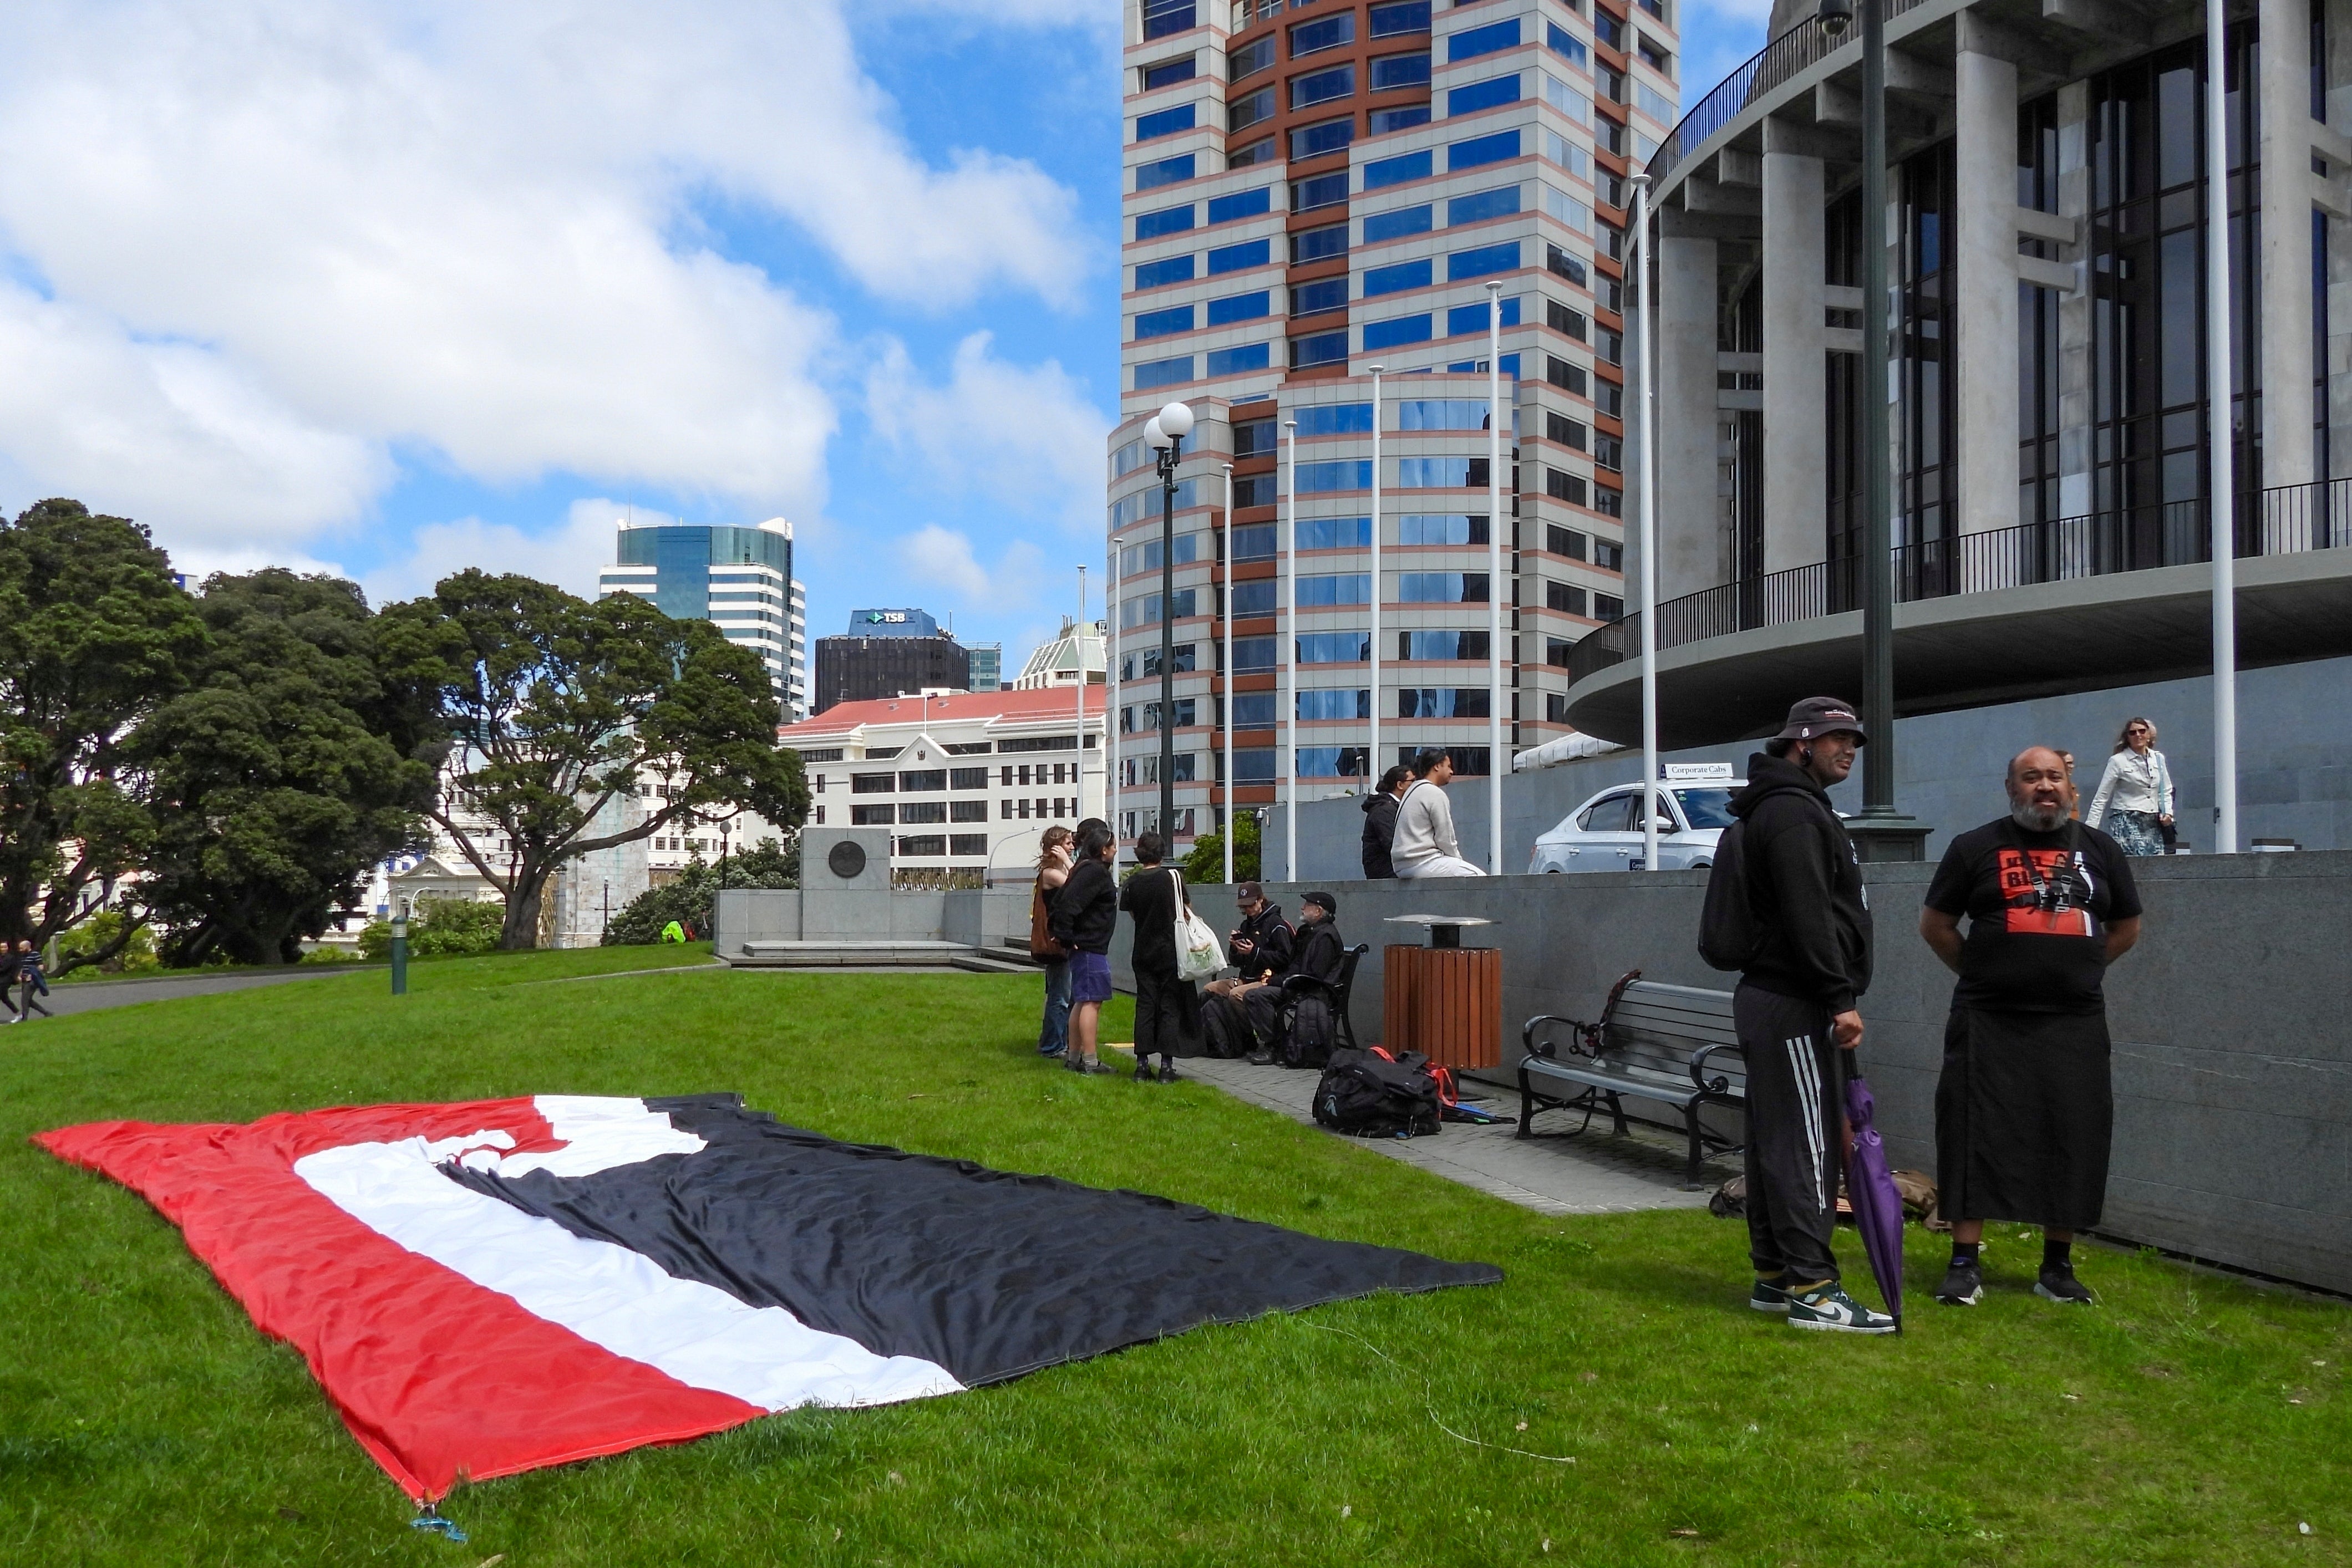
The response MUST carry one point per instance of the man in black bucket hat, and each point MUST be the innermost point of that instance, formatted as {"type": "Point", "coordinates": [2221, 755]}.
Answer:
{"type": "Point", "coordinates": [1795, 1009]}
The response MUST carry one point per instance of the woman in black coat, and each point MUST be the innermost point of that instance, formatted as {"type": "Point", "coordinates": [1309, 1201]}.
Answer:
{"type": "Point", "coordinates": [1085, 913]}
{"type": "Point", "coordinates": [1379, 824]}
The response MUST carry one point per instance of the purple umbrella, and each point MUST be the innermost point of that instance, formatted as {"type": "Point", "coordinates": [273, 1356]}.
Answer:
{"type": "Point", "coordinates": [1869, 1189]}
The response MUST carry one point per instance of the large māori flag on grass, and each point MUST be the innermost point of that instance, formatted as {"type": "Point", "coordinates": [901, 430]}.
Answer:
{"type": "Point", "coordinates": [489, 1287]}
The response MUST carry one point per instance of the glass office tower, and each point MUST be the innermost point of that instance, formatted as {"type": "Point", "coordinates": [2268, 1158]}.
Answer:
{"type": "Point", "coordinates": [737, 579]}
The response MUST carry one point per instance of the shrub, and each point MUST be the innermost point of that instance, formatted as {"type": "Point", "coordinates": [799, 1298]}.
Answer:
{"type": "Point", "coordinates": [442, 927]}
{"type": "Point", "coordinates": [1205, 865]}
{"type": "Point", "coordinates": [688, 900]}
{"type": "Point", "coordinates": [94, 935]}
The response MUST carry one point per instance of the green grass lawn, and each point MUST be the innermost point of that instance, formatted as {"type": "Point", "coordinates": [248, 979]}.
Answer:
{"type": "Point", "coordinates": [2190, 1420]}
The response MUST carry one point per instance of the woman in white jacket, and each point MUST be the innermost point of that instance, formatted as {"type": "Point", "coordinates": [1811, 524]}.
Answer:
{"type": "Point", "coordinates": [2137, 788]}
{"type": "Point", "coordinates": [1425, 844]}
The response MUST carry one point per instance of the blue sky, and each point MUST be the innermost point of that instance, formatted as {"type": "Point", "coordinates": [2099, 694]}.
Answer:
{"type": "Point", "coordinates": [391, 289]}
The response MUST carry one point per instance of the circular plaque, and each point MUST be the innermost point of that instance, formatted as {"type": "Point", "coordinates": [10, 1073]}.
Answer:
{"type": "Point", "coordinates": [847, 859]}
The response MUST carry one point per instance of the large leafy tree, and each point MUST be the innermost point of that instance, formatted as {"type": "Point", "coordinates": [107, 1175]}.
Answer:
{"type": "Point", "coordinates": [282, 776]}
{"type": "Point", "coordinates": [551, 707]}
{"type": "Point", "coordinates": [95, 637]}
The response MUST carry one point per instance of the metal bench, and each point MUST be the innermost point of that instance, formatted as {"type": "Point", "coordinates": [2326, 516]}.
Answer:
{"type": "Point", "coordinates": [1671, 1044]}
{"type": "Point", "coordinates": [1336, 992]}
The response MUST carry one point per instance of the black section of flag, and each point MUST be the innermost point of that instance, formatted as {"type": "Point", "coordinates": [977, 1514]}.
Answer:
{"type": "Point", "coordinates": [988, 1274]}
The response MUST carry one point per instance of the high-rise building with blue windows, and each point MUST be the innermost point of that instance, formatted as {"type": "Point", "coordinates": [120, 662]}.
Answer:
{"type": "Point", "coordinates": [737, 579]}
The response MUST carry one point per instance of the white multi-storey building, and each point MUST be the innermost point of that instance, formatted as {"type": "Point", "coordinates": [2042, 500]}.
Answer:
{"type": "Point", "coordinates": [739, 580]}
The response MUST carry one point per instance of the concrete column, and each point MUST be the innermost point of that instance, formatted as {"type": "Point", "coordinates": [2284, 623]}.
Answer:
{"type": "Point", "coordinates": [2076, 367]}
{"type": "Point", "coordinates": [2289, 455]}
{"type": "Point", "coordinates": [1689, 511]}
{"type": "Point", "coordinates": [1796, 391]}
{"type": "Point", "coordinates": [1984, 253]}
{"type": "Point", "coordinates": [2338, 65]}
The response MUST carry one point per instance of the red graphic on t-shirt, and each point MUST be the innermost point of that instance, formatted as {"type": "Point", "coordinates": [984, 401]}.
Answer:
{"type": "Point", "coordinates": [2021, 891]}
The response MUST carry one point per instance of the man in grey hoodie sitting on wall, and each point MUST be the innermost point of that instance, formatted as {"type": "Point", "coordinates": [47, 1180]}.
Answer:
{"type": "Point", "coordinates": [1425, 843]}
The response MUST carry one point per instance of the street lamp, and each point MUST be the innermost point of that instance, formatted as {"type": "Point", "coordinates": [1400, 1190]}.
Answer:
{"type": "Point", "coordinates": [1166, 433]}
{"type": "Point", "coordinates": [400, 948]}
{"type": "Point", "coordinates": [1881, 832]}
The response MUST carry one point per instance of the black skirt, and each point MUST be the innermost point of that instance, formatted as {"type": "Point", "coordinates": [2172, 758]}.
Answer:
{"type": "Point", "coordinates": [2024, 1116]}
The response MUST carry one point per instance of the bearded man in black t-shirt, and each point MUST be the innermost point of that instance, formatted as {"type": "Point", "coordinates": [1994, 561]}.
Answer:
{"type": "Point", "coordinates": [2025, 1110]}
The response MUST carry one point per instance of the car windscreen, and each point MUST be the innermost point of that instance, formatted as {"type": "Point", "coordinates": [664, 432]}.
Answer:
{"type": "Point", "coordinates": [1705, 807]}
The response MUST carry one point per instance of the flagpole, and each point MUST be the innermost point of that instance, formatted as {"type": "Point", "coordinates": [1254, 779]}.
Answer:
{"type": "Point", "coordinates": [2221, 432]}
{"type": "Point", "coordinates": [1647, 321]}
{"type": "Point", "coordinates": [1078, 651]}
{"type": "Point", "coordinates": [1496, 522]}
{"type": "Point", "coordinates": [1290, 663]}
{"type": "Point", "coordinates": [1372, 741]}
{"type": "Point", "coordinates": [1233, 822]}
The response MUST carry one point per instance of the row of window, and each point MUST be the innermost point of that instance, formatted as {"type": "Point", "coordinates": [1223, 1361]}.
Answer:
{"type": "Point", "coordinates": [1262, 765]}
{"type": "Point", "coordinates": [926, 780]}
{"type": "Point", "coordinates": [1306, 195]}
{"type": "Point", "coordinates": [1412, 647]}
{"type": "Point", "coordinates": [1259, 541]}
{"type": "Point", "coordinates": [1323, 349]}
{"type": "Point", "coordinates": [1257, 710]}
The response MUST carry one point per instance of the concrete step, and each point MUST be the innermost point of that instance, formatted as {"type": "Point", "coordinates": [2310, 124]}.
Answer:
{"type": "Point", "coordinates": [823, 955]}
{"type": "Point", "coordinates": [989, 963]}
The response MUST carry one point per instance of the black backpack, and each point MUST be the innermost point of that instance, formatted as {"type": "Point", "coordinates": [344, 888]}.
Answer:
{"type": "Point", "coordinates": [1367, 1094]}
{"type": "Point", "coordinates": [1730, 936]}
{"type": "Point", "coordinates": [1311, 1035]}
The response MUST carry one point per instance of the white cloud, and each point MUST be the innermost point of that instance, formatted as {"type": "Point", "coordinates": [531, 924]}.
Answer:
{"type": "Point", "coordinates": [1027, 435]}
{"type": "Point", "coordinates": [279, 240]}
{"type": "Point", "coordinates": [935, 557]}
{"type": "Point", "coordinates": [569, 555]}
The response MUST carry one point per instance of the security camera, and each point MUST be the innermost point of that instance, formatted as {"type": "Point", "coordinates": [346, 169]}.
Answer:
{"type": "Point", "coordinates": [1836, 16]}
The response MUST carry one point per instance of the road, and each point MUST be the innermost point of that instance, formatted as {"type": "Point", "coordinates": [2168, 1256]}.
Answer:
{"type": "Point", "coordinates": [89, 996]}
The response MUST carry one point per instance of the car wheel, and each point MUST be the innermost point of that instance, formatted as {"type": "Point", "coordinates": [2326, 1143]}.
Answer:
{"type": "Point", "coordinates": [1702, 865]}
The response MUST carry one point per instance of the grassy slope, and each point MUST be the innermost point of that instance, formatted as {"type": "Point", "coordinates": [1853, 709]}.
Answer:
{"type": "Point", "coordinates": [142, 1420]}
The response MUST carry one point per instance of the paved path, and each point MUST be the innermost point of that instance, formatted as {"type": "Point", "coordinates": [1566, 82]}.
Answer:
{"type": "Point", "coordinates": [89, 996]}
{"type": "Point", "coordinates": [1595, 1173]}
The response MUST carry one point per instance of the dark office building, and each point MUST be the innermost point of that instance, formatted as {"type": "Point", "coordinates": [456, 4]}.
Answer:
{"type": "Point", "coordinates": [887, 653]}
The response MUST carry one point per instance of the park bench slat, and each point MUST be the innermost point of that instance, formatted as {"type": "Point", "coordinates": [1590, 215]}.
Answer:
{"type": "Point", "coordinates": [1674, 1045]}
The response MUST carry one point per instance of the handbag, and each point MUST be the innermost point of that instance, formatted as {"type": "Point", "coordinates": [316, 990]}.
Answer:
{"type": "Point", "coordinates": [1042, 944]}
{"type": "Point", "coordinates": [1198, 954]}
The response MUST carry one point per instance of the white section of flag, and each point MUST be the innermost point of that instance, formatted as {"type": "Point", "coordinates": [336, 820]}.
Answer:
{"type": "Point", "coordinates": [608, 1295]}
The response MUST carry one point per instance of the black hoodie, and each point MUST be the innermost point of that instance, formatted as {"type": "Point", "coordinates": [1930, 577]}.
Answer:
{"type": "Point", "coordinates": [1806, 882]}
{"type": "Point", "coordinates": [1380, 810]}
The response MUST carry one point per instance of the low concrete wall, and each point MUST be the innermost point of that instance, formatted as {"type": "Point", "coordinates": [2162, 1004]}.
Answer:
{"type": "Point", "coordinates": [2233, 1058]}
{"type": "Point", "coordinates": [984, 919]}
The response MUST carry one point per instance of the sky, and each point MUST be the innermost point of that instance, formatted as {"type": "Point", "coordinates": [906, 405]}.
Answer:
{"type": "Point", "coordinates": [393, 287]}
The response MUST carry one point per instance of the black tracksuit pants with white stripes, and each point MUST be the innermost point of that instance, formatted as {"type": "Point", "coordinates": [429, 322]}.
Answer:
{"type": "Point", "coordinates": [1795, 1111]}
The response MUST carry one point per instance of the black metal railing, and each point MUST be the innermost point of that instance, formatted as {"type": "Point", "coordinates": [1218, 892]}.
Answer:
{"type": "Point", "coordinates": [2291, 519]}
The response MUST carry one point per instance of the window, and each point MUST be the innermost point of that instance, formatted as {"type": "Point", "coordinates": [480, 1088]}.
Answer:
{"type": "Point", "coordinates": [1323, 87]}
{"type": "Point", "coordinates": [1249, 108]}
{"type": "Point", "coordinates": [1562, 319]}
{"type": "Point", "coordinates": [964, 844]}
{"type": "Point", "coordinates": [1233, 258]}
{"type": "Point", "coordinates": [1395, 279]}
{"type": "Point", "coordinates": [1145, 610]}
{"type": "Point", "coordinates": [1325, 136]}
{"type": "Point", "coordinates": [1167, 171]}
{"type": "Point", "coordinates": [1259, 541]}
{"type": "Point", "coordinates": [1333, 533]}
{"type": "Point", "coordinates": [922, 780]}
{"type": "Point", "coordinates": [1471, 42]}
{"type": "Point", "coordinates": [1238, 307]}
{"type": "Point", "coordinates": [1606, 607]}
{"type": "Point", "coordinates": [1251, 653]}
{"type": "Point", "coordinates": [1440, 588]}
{"type": "Point", "coordinates": [1482, 149]}
{"type": "Point", "coordinates": [1334, 419]}
{"type": "Point", "coordinates": [1323, 590]}
{"type": "Point", "coordinates": [1313, 298]}
{"type": "Point", "coordinates": [829, 754]}
{"type": "Point", "coordinates": [1609, 814]}
{"type": "Point", "coordinates": [1608, 452]}
{"type": "Point", "coordinates": [1564, 542]}
{"type": "Point", "coordinates": [1608, 502]}
{"type": "Point", "coordinates": [1161, 323]}
{"type": "Point", "coordinates": [1322, 478]}
{"type": "Point", "coordinates": [1500, 201]}
{"type": "Point", "coordinates": [1481, 95]}
{"type": "Point", "coordinates": [1440, 529]}
{"type": "Point", "coordinates": [1331, 762]}
{"type": "Point", "coordinates": [1397, 171]}
{"type": "Point", "coordinates": [1443, 702]}
{"type": "Point", "coordinates": [1162, 17]}
{"type": "Point", "coordinates": [1250, 57]}
{"type": "Point", "coordinates": [1328, 32]}
{"type": "Point", "coordinates": [1168, 74]}
{"type": "Point", "coordinates": [1567, 45]}
{"type": "Point", "coordinates": [1564, 597]}
{"type": "Point", "coordinates": [1145, 556]}
{"type": "Point", "coordinates": [1401, 16]}
{"type": "Point", "coordinates": [1568, 487]}
{"type": "Point", "coordinates": [1323, 349]}
{"type": "Point", "coordinates": [1254, 766]}
{"type": "Point", "coordinates": [1653, 102]}
{"type": "Point", "coordinates": [1167, 221]}
{"type": "Point", "coordinates": [923, 811]}
{"type": "Point", "coordinates": [1562, 374]}
{"type": "Point", "coordinates": [1241, 359]}
{"type": "Point", "coordinates": [1402, 118]}
{"type": "Point", "coordinates": [1160, 274]}
{"type": "Point", "coordinates": [1608, 555]}
{"type": "Point", "coordinates": [1253, 710]}
{"type": "Point", "coordinates": [1319, 244]}
{"type": "Point", "coordinates": [1323, 191]}
{"type": "Point", "coordinates": [1335, 703]}
{"type": "Point", "coordinates": [1335, 648]}
{"type": "Point", "coordinates": [1257, 598]}
{"type": "Point", "coordinates": [873, 783]}
{"type": "Point", "coordinates": [1434, 472]}
{"type": "Point", "coordinates": [1608, 28]}
{"type": "Point", "coordinates": [1260, 151]}
{"type": "Point", "coordinates": [1442, 413]}
{"type": "Point", "coordinates": [1240, 204]}
{"type": "Point", "coordinates": [967, 778]}
{"type": "Point", "coordinates": [1393, 71]}
{"type": "Point", "coordinates": [1181, 661]}
{"type": "Point", "coordinates": [923, 844]}
{"type": "Point", "coordinates": [1418, 647]}
{"type": "Point", "coordinates": [1163, 372]}
{"type": "Point", "coordinates": [1611, 347]}
{"type": "Point", "coordinates": [1482, 262]}
{"type": "Point", "coordinates": [1567, 155]}
{"type": "Point", "coordinates": [1564, 265]}
{"type": "Point", "coordinates": [1252, 436]}
{"type": "Point", "coordinates": [1165, 122]}
{"type": "Point", "coordinates": [872, 816]}
{"type": "Point", "coordinates": [1397, 225]}
{"type": "Point", "coordinates": [1396, 331]}
{"type": "Point", "coordinates": [1466, 318]}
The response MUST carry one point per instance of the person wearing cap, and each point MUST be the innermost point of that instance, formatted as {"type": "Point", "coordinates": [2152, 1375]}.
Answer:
{"type": "Point", "coordinates": [1795, 1010]}
{"type": "Point", "coordinates": [1260, 945]}
{"type": "Point", "coordinates": [1425, 844]}
{"type": "Point", "coordinates": [1320, 952]}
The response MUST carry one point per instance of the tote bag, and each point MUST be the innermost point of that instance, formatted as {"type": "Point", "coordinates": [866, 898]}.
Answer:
{"type": "Point", "coordinates": [1198, 954]}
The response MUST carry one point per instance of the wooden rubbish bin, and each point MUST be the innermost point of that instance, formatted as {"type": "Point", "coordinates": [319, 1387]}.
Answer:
{"type": "Point", "coordinates": [1444, 1002]}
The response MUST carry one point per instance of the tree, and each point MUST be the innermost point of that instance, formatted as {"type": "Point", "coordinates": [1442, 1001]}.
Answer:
{"type": "Point", "coordinates": [1206, 862]}
{"type": "Point", "coordinates": [550, 707]}
{"type": "Point", "coordinates": [280, 779]}
{"type": "Point", "coordinates": [689, 900]}
{"type": "Point", "coordinates": [95, 636]}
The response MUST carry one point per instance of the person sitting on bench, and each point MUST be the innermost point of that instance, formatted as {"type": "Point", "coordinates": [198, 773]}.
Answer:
{"type": "Point", "coordinates": [1320, 953]}
{"type": "Point", "coordinates": [1260, 949]}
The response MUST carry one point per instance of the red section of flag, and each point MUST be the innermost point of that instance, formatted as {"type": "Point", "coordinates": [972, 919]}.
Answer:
{"type": "Point", "coordinates": [439, 1379]}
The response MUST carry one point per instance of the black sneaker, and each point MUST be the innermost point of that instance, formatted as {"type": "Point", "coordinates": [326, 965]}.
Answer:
{"type": "Point", "coordinates": [1769, 1296]}
{"type": "Point", "coordinates": [1261, 1058]}
{"type": "Point", "coordinates": [1963, 1285]}
{"type": "Point", "coordinates": [1142, 1072]}
{"type": "Point", "coordinates": [1098, 1066]}
{"type": "Point", "coordinates": [1168, 1070]}
{"type": "Point", "coordinates": [1827, 1306]}
{"type": "Point", "coordinates": [2060, 1285]}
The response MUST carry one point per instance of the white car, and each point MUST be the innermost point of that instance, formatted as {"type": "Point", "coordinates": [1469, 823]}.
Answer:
{"type": "Point", "coordinates": [1605, 832]}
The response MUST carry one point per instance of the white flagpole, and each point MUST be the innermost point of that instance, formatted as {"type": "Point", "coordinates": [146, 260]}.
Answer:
{"type": "Point", "coordinates": [1496, 523]}
{"type": "Point", "coordinates": [1079, 649]}
{"type": "Point", "coordinates": [2221, 489]}
{"type": "Point", "coordinates": [1233, 820]}
{"type": "Point", "coordinates": [1372, 742]}
{"type": "Point", "coordinates": [1648, 321]}
{"type": "Point", "coordinates": [1290, 663]}
{"type": "Point", "coordinates": [1111, 690]}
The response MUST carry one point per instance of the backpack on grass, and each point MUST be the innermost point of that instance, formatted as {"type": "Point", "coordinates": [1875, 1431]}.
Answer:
{"type": "Point", "coordinates": [1369, 1094]}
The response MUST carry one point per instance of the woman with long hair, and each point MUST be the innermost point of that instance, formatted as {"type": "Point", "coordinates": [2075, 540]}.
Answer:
{"type": "Point", "coordinates": [1085, 912]}
{"type": "Point", "coordinates": [2137, 787]}
{"type": "Point", "coordinates": [1053, 870]}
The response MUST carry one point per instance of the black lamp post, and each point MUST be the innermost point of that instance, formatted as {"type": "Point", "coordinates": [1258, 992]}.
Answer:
{"type": "Point", "coordinates": [1166, 432]}
{"type": "Point", "coordinates": [1881, 832]}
